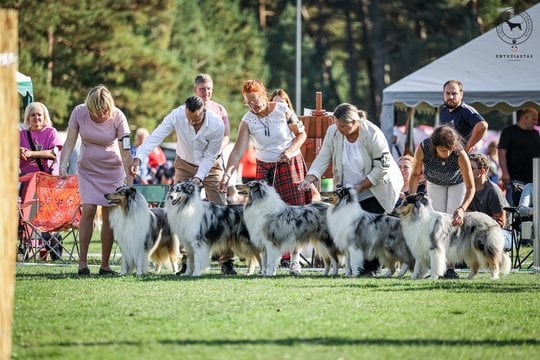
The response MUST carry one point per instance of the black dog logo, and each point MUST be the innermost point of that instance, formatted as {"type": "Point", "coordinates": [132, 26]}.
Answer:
{"type": "Point", "coordinates": [512, 25]}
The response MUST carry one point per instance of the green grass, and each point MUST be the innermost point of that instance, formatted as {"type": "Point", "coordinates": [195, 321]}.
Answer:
{"type": "Point", "coordinates": [59, 315]}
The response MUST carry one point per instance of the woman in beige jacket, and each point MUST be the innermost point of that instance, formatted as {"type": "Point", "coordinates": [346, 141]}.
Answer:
{"type": "Point", "coordinates": [360, 157]}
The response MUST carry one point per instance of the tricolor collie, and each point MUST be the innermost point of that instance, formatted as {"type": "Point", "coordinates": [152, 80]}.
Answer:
{"type": "Point", "coordinates": [204, 228]}
{"type": "Point", "coordinates": [367, 236]}
{"type": "Point", "coordinates": [434, 242]}
{"type": "Point", "coordinates": [276, 226]}
{"type": "Point", "coordinates": [142, 233]}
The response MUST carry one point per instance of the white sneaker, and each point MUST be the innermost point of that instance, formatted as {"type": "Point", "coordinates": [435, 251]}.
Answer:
{"type": "Point", "coordinates": [295, 269]}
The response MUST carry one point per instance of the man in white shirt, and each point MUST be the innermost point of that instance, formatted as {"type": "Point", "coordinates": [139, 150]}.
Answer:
{"type": "Point", "coordinates": [198, 147]}
{"type": "Point", "coordinates": [199, 133]}
{"type": "Point", "coordinates": [203, 86]}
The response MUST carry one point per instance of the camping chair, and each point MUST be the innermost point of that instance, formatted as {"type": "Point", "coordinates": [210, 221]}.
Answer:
{"type": "Point", "coordinates": [58, 211]}
{"type": "Point", "coordinates": [516, 226]}
{"type": "Point", "coordinates": [155, 195]}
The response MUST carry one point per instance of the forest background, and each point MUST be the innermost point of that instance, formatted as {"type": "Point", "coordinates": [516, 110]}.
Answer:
{"type": "Point", "coordinates": [148, 51]}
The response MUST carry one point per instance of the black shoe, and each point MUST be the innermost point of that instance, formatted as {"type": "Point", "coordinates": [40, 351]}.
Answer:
{"type": "Point", "coordinates": [182, 270]}
{"type": "Point", "coordinates": [450, 274]}
{"type": "Point", "coordinates": [83, 271]}
{"type": "Point", "coordinates": [107, 272]}
{"type": "Point", "coordinates": [227, 268]}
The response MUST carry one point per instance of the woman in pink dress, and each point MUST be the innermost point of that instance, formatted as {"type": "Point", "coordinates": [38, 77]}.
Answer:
{"type": "Point", "coordinates": [103, 166]}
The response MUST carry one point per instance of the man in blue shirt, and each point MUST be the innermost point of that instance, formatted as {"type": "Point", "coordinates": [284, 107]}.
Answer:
{"type": "Point", "coordinates": [465, 119]}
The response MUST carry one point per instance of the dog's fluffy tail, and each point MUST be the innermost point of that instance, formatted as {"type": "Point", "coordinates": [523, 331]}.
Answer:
{"type": "Point", "coordinates": [506, 264]}
{"type": "Point", "coordinates": [166, 251]}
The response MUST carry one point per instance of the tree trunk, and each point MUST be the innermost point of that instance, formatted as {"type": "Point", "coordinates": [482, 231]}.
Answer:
{"type": "Point", "coordinates": [50, 63]}
{"type": "Point", "coordinates": [351, 63]}
{"type": "Point", "coordinates": [378, 42]}
{"type": "Point", "coordinates": [363, 11]}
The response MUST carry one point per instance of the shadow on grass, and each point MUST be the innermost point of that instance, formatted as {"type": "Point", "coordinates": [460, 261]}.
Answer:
{"type": "Point", "coordinates": [324, 341]}
{"type": "Point", "coordinates": [379, 284]}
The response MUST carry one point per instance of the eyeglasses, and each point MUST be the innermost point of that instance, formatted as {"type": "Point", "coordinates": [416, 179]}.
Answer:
{"type": "Point", "coordinates": [255, 102]}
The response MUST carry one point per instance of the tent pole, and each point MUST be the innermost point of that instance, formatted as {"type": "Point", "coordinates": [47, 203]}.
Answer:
{"type": "Point", "coordinates": [536, 215]}
{"type": "Point", "coordinates": [409, 126]}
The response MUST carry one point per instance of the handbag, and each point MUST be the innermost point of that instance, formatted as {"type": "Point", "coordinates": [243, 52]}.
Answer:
{"type": "Point", "coordinates": [33, 147]}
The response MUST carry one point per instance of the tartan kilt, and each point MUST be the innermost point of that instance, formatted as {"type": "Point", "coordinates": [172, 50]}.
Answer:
{"type": "Point", "coordinates": [286, 177]}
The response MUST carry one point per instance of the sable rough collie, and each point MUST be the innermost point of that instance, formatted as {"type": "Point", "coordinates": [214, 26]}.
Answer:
{"type": "Point", "coordinates": [276, 226]}
{"type": "Point", "coordinates": [204, 228]}
{"type": "Point", "coordinates": [366, 236]}
{"type": "Point", "coordinates": [434, 241]}
{"type": "Point", "coordinates": [142, 233]}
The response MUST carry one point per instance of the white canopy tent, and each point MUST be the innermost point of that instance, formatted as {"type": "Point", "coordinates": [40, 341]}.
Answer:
{"type": "Point", "coordinates": [24, 87]}
{"type": "Point", "coordinates": [499, 70]}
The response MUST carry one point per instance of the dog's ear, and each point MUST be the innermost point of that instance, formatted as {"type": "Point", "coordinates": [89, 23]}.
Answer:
{"type": "Point", "coordinates": [410, 199]}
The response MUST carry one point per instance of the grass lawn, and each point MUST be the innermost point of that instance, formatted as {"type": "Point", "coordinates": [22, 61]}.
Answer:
{"type": "Point", "coordinates": [59, 315]}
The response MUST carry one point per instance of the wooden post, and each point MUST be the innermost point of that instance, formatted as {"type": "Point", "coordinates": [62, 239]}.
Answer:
{"type": "Point", "coordinates": [316, 126]}
{"type": "Point", "coordinates": [9, 172]}
{"type": "Point", "coordinates": [319, 111]}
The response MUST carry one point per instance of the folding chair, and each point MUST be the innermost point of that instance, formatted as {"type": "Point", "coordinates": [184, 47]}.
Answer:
{"type": "Point", "coordinates": [516, 223]}
{"type": "Point", "coordinates": [58, 211]}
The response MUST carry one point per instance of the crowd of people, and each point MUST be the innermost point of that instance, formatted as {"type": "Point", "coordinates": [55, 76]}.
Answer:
{"type": "Point", "coordinates": [268, 147]}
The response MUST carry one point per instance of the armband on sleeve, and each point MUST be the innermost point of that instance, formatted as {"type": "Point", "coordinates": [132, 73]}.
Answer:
{"type": "Point", "coordinates": [384, 159]}
{"type": "Point", "coordinates": [293, 119]}
{"type": "Point", "coordinates": [126, 144]}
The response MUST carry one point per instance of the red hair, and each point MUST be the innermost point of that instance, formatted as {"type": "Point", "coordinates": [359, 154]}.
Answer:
{"type": "Point", "coordinates": [254, 86]}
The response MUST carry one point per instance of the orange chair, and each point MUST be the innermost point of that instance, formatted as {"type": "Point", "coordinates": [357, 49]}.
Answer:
{"type": "Point", "coordinates": [58, 211]}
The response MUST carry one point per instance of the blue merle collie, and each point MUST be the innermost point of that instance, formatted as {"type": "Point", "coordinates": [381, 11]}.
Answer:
{"type": "Point", "coordinates": [276, 226]}
{"type": "Point", "coordinates": [366, 236]}
{"type": "Point", "coordinates": [204, 228]}
{"type": "Point", "coordinates": [434, 242]}
{"type": "Point", "coordinates": [142, 233]}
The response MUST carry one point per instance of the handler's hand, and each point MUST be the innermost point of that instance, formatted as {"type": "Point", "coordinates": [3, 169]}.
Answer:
{"type": "Point", "coordinates": [134, 171]}
{"type": "Point", "coordinates": [62, 172]}
{"type": "Point", "coordinates": [458, 217]}
{"type": "Point", "coordinates": [284, 157]}
{"type": "Point", "coordinates": [306, 184]}
{"type": "Point", "coordinates": [224, 183]}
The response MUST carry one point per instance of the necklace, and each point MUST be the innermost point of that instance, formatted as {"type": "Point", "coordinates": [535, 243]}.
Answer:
{"type": "Point", "coordinates": [265, 125]}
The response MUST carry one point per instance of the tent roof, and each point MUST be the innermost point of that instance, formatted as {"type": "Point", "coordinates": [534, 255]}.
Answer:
{"type": "Point", "coordinates": [24, 84]}
{"type": "Point", "coordinates": [499, 70]}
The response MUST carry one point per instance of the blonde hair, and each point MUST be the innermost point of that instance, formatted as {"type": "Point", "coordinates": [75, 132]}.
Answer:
{"type": "Point", "coordinates": [406, 159]}
{"type": "Point", "coordinates": [202, 78]}
{"type": "Point", "coordinates": [30, 108]}
{"type": "Point", "coordinates": [348, 113]}
{"type": "Point", "coordinates": [99, 101]}
{"type": "Point", "coordinates": [140, 135]}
